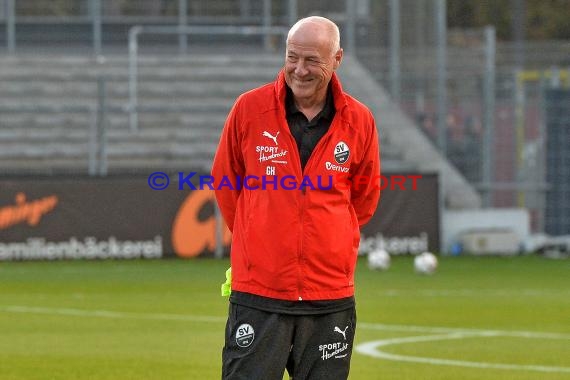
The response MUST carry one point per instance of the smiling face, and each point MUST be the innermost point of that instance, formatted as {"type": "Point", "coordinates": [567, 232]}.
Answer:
{"type": "Point", "coordinates": [312, 55]}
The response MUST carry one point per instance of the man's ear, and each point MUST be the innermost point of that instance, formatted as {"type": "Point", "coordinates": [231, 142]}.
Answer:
{"type": "Point", "coordinates": [338, 58]}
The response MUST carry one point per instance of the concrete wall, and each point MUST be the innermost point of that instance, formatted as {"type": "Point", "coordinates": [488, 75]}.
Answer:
{"type": "Point", "coordinates": [456, 222]}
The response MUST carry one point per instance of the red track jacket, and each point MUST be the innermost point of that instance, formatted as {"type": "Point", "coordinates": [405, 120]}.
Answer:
{"type": "Point", "coordinates": [290, 243]}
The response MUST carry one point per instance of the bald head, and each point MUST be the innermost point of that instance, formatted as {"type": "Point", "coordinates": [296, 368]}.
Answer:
{"type": "Point", "coordinates": [317, 27]}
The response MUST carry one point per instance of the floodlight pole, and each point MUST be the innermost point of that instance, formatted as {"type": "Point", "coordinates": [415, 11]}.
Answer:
{"type": "Point", "coordinates": [395, 87]}
{"type": "Point", "coordinates": [10, 27]}
{"type": "Point", "coordinates": [350, 26]}
{"type": "Point", "coordinates": [441, 51]}
{"type": "Point", "coordinates": [267, 24]}
{"type": "Point", "coordinates": [293, 11]}
{"type": "Point", "coordinates": [96, 21]}
{"type": "Point", "coordinates": [182, 23]}
{"type": "Point", "coordinates": [489, 114]}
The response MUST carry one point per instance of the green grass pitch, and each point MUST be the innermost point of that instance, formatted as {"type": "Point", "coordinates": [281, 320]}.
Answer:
{"type": "Point", "coordinates": [476, 318]}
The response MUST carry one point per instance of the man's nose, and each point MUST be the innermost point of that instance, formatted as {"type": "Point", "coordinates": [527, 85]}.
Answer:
{"type": "Point", "coordinates": [301, 68]}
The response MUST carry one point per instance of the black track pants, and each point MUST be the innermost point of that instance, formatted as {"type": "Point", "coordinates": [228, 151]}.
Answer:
{"type": "Point", "coordinates": [260, 345]}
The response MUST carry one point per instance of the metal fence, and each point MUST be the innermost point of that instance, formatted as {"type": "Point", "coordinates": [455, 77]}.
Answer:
{"type": "Point", "coordinates": [462, 87]}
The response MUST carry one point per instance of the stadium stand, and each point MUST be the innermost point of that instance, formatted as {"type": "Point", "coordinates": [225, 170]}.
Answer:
{"type": "Point", "coordinates": [48, 104]}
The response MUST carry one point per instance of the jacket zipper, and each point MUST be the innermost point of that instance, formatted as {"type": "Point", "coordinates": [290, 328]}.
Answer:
{"type": "Point", "coordinates": [295, 152]}
{"type": "Point", "coordinates": [301, 239]}
{"type": "Point", "coordinates": [321, 142]}
{"type": "Point", "coordinates": [316, 152]}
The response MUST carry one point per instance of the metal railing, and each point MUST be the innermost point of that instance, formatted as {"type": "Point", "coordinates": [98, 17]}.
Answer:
{"type": "Point", "coordinates": [95, 14]}
{"type": "Point", "coordinates": [97, 125]}
{"type": "Point", "coordinates": [136, 31]}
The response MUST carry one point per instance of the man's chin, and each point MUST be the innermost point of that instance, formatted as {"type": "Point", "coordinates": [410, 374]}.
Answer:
{"type": "Point", "coordinates": [303, 91]}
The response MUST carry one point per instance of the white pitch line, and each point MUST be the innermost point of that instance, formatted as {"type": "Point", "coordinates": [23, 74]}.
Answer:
{"type": "Point", "coordinates": [371, 349]}
{"type": "Point", "coordinates": [428, 329]}
{"type": "Point", "coordinates": [217, 319]}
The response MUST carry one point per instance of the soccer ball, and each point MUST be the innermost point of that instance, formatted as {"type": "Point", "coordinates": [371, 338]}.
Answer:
{"type": "Point", "coordinates": [425, 263]}
{"type": "Point", "coordinates": [379, 259]}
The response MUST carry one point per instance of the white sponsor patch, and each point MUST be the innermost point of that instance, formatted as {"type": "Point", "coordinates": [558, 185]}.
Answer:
{"type": "Point", "coordinates": [270, 153]}
{"type": "Point", "coordinates": [336, 168]}
{"type": "Point", "coordinates": [333, 350]}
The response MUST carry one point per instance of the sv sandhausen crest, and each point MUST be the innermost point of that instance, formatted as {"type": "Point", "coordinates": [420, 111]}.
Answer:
{"type": "Point", "coordinates": [341, 152]}
{"type": "Point", "coordinates": [245, 335]}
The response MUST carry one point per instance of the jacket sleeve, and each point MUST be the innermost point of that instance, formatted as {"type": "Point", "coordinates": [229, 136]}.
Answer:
{"type": "Point", "coordinates": [228, 167]}
{"type": "Point", "coordinates": [365, 192]}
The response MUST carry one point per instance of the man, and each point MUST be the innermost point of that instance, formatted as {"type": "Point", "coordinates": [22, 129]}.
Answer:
{"type": "Point", "coordinates": [295, 244]}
